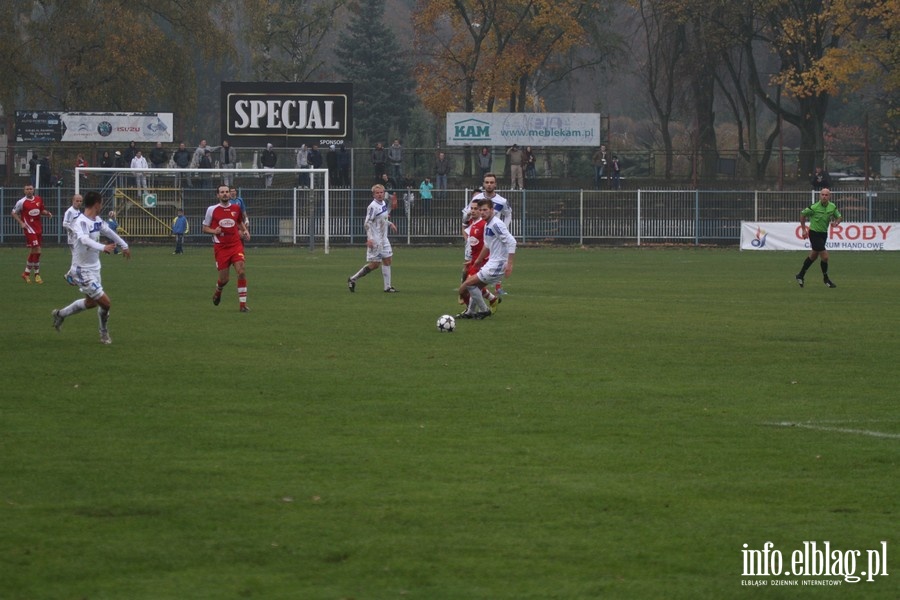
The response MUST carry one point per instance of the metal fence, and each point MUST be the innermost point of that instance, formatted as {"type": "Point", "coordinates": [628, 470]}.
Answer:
{"type": "Point", "coordinates": [297, 216]}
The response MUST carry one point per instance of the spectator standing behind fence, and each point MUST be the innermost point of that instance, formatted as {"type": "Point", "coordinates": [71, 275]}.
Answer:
{"type": "Point", "coordinates": [530, 163]}
{"type": "Point", "coordinates": [159, 158]}
{"type": "Point", "coordinates": [390, 189]}
{"type": "Point", "coordinates": [267, 161]}
{"type": "Point", "coordinates": [395, 156]}
{"type": "Point", "coordinates": [46, 177]}
{"type": "Point", "coordinates": [119, 163]}
{"type": "Point", "coordinates": [182, 160]}
{"type": "Point", "coordinates": [442, 168]}
{"type": "Point", "coordinates": [379, 158]}
{"type": "Point", "coordinates": [820, 180]}
{"type": "Point", "coordinates": [199, 153]}
{"type": "Point", "coordinates": [130, 152]}
{"type": "Point", "coordinates": [331, 163]}
{"type": "Point", "coordinates": [516, 167]}
{"type": "Point", "coordinates": [599, 161]}
{"type": "Point", "coordinates": [315, 159]}
{"type": "Point", "coordinates": [106, 162]}
{"type": "Point", "coordinates": [180, 229]}
{"type": "Point", "coordinates": [227, 160]}
{"type": "Point", "coordinates": [139, 167]}
{"type": "Point", "coordinates": [343, 167]}
{"type": "Point", "coordinates": [303, 163]}
{"type": "Point", "coordinates": [32, 169]}
{"type": "Point", "coordinates": [425, 192]}
{"type": "Point", "coordinates": [80, 162]}
{"type": "Point", "coordinates": [205, 165]}
{"type": "Point", "coordinates": [616, 173]}
{"type": "Point", "coordinates": [485, 160]}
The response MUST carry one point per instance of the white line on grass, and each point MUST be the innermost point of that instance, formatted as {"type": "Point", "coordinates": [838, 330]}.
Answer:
{"type": "Point", "coordinates": [868, 432]}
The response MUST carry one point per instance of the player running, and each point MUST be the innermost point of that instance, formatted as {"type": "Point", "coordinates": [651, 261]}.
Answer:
{"type": "Point", "coordinates": [225, 221]}
{"type": "Point", "coordinates": [88, 228]}
{"type": "Point", "coordinates": [821, 215]}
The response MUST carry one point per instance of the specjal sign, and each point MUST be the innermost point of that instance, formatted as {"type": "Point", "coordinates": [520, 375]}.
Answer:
{"type": "Point", "coordinates": [286, 114]}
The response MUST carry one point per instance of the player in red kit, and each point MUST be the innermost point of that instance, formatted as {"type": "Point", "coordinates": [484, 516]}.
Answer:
{"type": "Point", "coordinates": [225, 221]}
{"type": "Point", "coordinates": [28, 212]}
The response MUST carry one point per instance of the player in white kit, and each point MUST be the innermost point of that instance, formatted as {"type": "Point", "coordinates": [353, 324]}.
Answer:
{"type": "Point", "coordinates": [378, 246]}
{"type": "Point", "coordinates": [495, 261]}
{"type": "Point", "coordinates": [68, 220]}
{"type": "Point", "coordinates": [88, 228]}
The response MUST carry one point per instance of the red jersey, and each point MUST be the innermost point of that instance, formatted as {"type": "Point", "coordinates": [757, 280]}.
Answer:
{"type": "Point", "coordinates": [475, 241]}
{"type": "Point", "coordinates": [30, 210]}
{"type": "Point", "coordinates": [228, 218]}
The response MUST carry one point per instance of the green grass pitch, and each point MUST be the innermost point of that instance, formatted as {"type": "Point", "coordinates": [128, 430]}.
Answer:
{"type": "Point", "coordinates": [624, 424]}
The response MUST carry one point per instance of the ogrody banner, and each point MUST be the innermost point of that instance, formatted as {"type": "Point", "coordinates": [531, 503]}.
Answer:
{"type": "Point", "coordinates": [846, 236]}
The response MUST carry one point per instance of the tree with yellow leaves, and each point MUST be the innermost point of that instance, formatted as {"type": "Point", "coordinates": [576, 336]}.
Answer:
{"type": "Point", "coordinates": [481, 52]}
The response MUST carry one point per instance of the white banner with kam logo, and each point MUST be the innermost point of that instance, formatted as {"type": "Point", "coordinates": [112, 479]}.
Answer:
{"type": "Point", "coordinates": [846, 236]}
{"type": "Point", "coordinates": [524, 129]}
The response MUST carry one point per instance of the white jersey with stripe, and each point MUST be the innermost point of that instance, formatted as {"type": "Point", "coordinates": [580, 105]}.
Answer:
{"type": "Point", "coordinates": [377, 223]}
{"type": "Point", "coordinates": [501, 206]}
{"type": "Point", "coordinates": [68, 221]}
{"type": "Point", "coordinates": [499, 241]}
{"type": "Point", "coordinates": [87, 248]}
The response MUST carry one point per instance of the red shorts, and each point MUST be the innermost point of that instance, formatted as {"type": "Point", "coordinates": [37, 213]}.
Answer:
{"type": "Point", "coordinates": [228, 255]}
{"type": "Point", "coordinates": [33, 240]}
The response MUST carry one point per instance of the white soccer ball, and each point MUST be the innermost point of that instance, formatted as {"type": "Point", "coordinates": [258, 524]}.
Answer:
{"type": "Point", "coordinates": [446, 324]}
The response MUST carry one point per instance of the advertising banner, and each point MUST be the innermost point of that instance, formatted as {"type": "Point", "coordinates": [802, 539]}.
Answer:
{"type": "Point", "coordinates": [524, 129]}
{"type": "Point", "coordinates": [287, 114]}
{"type": "Point", "coordinates": [846, 236]}
{"type": "Point", "coordinates": [49, 126]}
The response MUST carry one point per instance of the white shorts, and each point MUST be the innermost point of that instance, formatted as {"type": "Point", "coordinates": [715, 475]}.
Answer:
{"type": "Point", "coordinates": [88, 281]}
{"type": "Point", "coordinates": [379, 253]}
{"type": "Point", "coordinates": [492, 272]}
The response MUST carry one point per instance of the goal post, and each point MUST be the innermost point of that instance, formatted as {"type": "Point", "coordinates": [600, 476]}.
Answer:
{"type": "Point", "coordinates": [284, 205]}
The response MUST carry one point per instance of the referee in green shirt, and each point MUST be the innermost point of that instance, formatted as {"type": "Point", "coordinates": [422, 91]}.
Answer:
{"type": "Point", "coordinates": [821, 215]}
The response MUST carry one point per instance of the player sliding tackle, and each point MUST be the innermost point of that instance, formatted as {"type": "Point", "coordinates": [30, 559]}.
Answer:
{"type": "Point", "coordinates": [499, 251]}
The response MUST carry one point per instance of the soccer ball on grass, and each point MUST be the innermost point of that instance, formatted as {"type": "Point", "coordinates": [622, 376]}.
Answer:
{"type": "Point", "coordinates": [446, 324]}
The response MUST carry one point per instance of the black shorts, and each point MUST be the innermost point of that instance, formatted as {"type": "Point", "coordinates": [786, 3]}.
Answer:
{"type": "Point", "coordinates": [817, 240]}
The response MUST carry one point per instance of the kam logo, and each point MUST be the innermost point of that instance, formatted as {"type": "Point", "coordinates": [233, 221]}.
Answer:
{"type": "Point", "coordinates": [760, 240]}
{"type": "Point", "coordinates": [814, 564]}
{"type": "Point", "coordinates": [472, 130]}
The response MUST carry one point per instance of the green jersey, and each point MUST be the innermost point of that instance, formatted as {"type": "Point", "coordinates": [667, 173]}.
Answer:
{"type": "Point", "coordinates": [820, 216]}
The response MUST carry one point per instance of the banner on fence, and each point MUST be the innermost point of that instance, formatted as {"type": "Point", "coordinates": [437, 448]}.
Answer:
{"type": "Point", "coordinates": [846, 236]}
{"type": "Point", "coordinates": [50, 126]}
{"type": "Point", "coordinates": [524, 129]}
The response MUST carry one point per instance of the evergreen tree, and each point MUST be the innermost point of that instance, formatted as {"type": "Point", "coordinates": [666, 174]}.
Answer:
{"type": "Point", "coordinates": [371, 59]}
